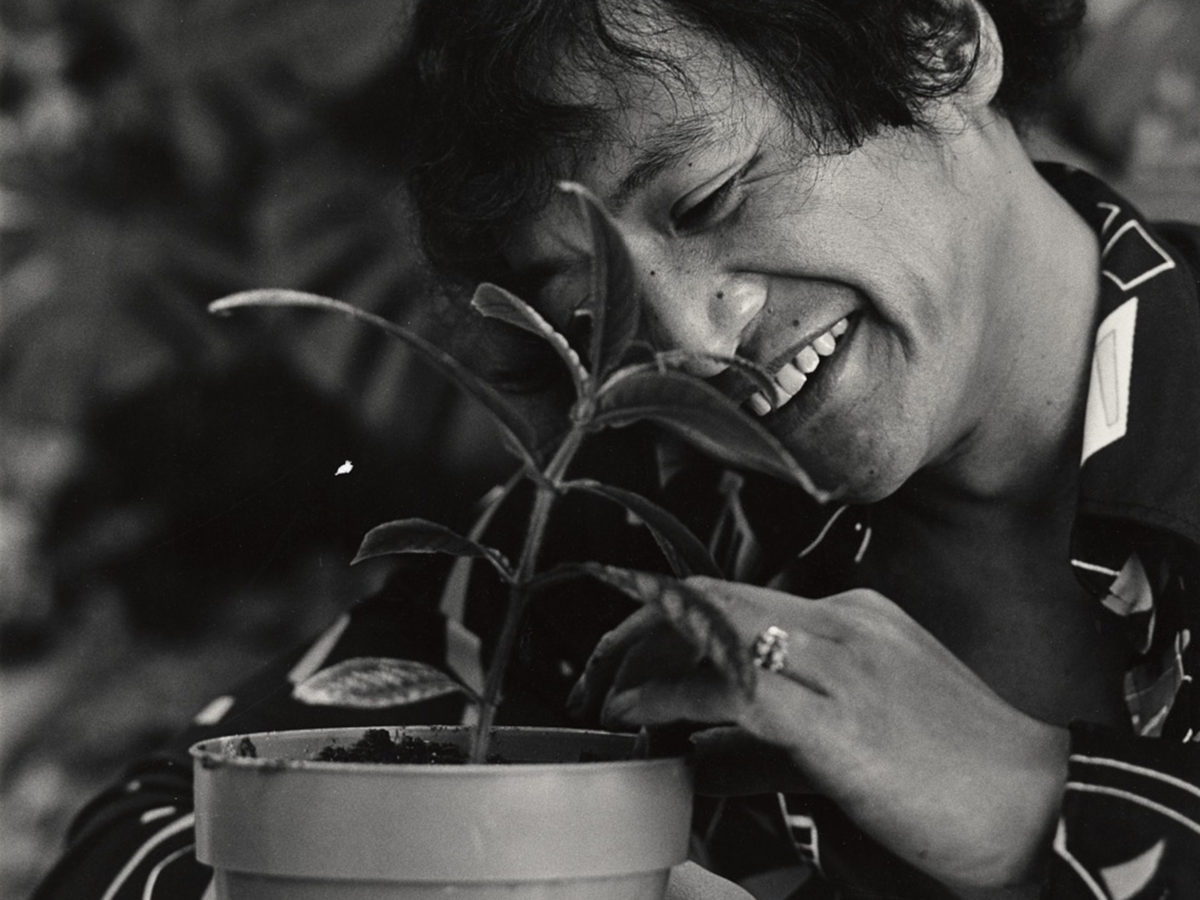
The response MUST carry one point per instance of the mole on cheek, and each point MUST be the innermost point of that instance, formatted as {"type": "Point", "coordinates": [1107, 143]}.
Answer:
{"type": "Point", "coordinates": [795, 323]}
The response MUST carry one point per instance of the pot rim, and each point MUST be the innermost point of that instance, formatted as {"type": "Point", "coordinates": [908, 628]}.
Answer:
{"type": "Point", "coordinates": [440, 823]}
{"type": "Point", "coordinates": [222, 751]}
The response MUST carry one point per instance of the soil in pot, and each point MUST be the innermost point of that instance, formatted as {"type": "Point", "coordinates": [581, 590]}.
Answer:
{"type": "Point", "coordinates": [377, 746]}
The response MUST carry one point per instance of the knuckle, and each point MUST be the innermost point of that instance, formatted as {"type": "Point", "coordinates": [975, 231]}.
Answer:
{"type": "Point", "coordinates": [868, 598]}
{"type": "Point", "coordinates": [607, 643]}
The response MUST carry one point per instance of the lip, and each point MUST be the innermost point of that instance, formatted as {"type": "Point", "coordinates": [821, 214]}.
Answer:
{"type": "Point", "coordinates": [738, 387]}
{"type": "Point", "coordinates": [788, 355]}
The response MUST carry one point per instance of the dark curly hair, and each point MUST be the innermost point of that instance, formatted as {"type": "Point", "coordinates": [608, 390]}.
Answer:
{"type": "Point", "coordinates": [485, 119]}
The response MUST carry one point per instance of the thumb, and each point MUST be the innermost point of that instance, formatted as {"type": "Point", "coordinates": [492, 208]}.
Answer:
{"type": "Point", "coordinates": [731, 762]}
{"type": "Point", "coordinates": [691, 882]}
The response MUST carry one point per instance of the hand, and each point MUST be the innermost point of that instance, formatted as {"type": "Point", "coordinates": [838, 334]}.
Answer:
{"type": "Point", "coordinates": [877, 715]}
{"type": "Point", "coordinates": [692, 882]}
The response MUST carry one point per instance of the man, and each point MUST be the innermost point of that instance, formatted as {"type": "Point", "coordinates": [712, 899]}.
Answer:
{"type": "Point", "coordinates": [979, 663]}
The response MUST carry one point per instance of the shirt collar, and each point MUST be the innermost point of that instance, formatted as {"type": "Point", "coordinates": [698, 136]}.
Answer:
{"type": "Point", "coordinates": [1140, 460]}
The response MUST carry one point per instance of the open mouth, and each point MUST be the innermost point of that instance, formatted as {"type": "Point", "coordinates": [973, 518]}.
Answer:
{"type": "Point", "coordinates": [798, 375]}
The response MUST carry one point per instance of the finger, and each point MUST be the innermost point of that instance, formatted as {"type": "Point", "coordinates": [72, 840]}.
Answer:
{"type": "Point", "coordinates": [704, 696]}
{"type": "Point", "coordinates": [659, 652]}
{"type": "Point", "coordinates": [654, 694]}
{"type": "Point", "coordinates": [754, 608]}
{"type": "Point", "coordinates": [689, 881]}
{"type": "Point", "coordinates": [790, 711]}
{"type": "Point", "coordinates": [795, 706]}
{"type": "Point", "coordinates": [814, 663]}
{"type": "Point", "coordinates": [731, 762]}
{"type": "Point", "coordinates": [784, 712]}
{"type": "Point", "coordinates": [589, 691]}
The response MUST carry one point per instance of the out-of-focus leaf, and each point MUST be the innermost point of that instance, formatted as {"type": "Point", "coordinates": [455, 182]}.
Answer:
{"type": "Point", "coordinates": [375, 682]}
{"type": "Point", "coordinates": [686, 555]}
{"type": "Point", "coordinates": [520, 435]}
{"type": "Point", "coordinates": [423, 536]}
{"type": "Point", "coordinates": [613, 301]}
{"type": "Point", "coordinates": [701, 415]}
{"type": "Point", "coordinates": [740, 366]}
{"type": "Point", "coordinates": [495, 302]}
{"type": "Point", "coordinates": [702, 621]}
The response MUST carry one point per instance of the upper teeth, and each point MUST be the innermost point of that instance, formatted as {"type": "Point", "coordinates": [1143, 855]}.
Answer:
{"type": "Point", "coordinates": [792, 377]}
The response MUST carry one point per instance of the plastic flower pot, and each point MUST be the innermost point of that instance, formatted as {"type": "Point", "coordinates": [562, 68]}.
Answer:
{"type": "Point", "coordinates": [547, 826]}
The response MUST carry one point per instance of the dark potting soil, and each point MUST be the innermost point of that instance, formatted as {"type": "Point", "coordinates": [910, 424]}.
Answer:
{"type": "Point", "coordinates": [377, 746]}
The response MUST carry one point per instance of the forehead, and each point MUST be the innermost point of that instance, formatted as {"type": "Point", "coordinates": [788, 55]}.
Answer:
{"type": "Point", "coordinates": [654, 127]}
{"type": "Point", "coordinates": [681, 98]}
{"type": "Point", "coordinates": [684, 96]}
{"type": "Point", "coordinates": [682, 92]}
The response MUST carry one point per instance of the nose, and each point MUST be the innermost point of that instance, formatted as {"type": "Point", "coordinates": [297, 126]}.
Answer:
{"type": "Point", "coordinates": [705, 312]}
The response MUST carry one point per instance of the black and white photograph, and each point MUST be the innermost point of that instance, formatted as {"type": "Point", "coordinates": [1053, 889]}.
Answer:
{"type": "Point", "coordinates": [600, 450]}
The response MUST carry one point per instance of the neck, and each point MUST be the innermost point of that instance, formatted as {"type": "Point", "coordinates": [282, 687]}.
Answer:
{"type": "Point", "coordinates": [1022, 449]}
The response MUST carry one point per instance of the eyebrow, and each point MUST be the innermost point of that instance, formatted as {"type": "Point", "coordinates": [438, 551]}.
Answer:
{"type": "Point", "coordinates": [658, 153]}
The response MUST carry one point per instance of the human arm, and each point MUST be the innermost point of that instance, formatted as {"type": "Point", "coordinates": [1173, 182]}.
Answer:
{"type": "Point", "coordinates": [874, 714]}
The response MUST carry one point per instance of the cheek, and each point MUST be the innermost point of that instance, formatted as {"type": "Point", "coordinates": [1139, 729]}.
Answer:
{"type": "Point", "coordinates": [895, 278]}
{"type": "Point", "coordinates": [925, 292]}
{"type": "Point", "coordinates": [899, 246]}
{"type": "Point", "coordinates": [879, 429]}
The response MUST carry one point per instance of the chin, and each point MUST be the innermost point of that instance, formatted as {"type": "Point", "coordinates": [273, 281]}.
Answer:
{"type": "Point", "coordinates": [851, 479]}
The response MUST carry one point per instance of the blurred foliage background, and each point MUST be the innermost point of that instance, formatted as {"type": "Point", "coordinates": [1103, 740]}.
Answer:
{"type": "Point", "coordinates": [170, 514]}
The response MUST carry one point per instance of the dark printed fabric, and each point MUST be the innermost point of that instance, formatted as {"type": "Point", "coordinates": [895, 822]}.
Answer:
{"type": "Point", "coordinates": [1130, 826]}
{"type": "Point", "coordinates": [1130, 823]}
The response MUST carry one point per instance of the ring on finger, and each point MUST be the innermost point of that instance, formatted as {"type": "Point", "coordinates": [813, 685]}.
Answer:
{"type": "Point", "coordinates": [770, 649]}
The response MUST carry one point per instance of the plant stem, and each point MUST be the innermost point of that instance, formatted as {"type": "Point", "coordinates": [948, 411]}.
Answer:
{"type": "Point", "coordinates": [545, 494]}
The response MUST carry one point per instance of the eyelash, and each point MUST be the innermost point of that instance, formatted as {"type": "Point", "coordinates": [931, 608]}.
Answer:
{"type": "Point", "coordinates": [713, 207]}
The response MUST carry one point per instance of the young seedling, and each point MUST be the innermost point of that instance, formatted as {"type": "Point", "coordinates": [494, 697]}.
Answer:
{"type": "Point", "coordinates": [614, 386]}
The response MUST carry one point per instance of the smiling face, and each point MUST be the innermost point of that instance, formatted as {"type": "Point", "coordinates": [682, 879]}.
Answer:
{"type": "Point", "coordinates": [862, 281]}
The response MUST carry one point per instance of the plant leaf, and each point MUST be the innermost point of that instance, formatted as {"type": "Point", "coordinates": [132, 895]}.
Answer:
{"type": "Point", "coordinates": [700, 415]}
{"type": "Point", "coordinates": [751, 371]}
{"type": "Point", "coordinates": [521, 437]}
{"type": "Point", "coordinates": [495, 302]}
{"type": "Point", "coordinates": [686, 555]}
{"type": "Point", "coordinates": [374, 682]}
{"type": "Point", "coordinates": [613, 303]}
{"type": "Point", "coordinates": [702, 621]}
{"type": "Point", "coordinates": [423, 536]}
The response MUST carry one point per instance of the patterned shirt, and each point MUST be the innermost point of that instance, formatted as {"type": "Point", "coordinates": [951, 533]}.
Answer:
{"type": "Point", "coordinates": [1130, 821]}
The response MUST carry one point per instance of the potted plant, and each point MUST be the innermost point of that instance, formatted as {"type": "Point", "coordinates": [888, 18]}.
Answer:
{"type": "Point", "coordinates": [580, 816]}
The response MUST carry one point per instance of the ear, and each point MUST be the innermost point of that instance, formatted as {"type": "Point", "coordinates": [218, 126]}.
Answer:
{"type": "Point", "coordinates": [971, 104]}
{"type": "Point", "coordinates": [984, 84]}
